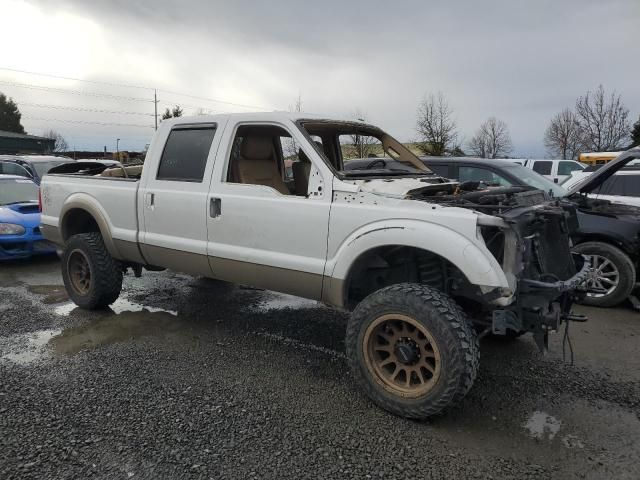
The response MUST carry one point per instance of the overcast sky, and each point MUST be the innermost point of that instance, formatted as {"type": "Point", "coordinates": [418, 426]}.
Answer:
{"type": "Point", "coordinates": [521, 61]}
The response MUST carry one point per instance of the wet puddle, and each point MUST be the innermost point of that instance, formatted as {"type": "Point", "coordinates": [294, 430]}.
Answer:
{"type": "Point", "coordinates": [121, 305]}
{"type": "Point", "coordinates": [541, 425]}
{"type": "Point", "coordinates": [27, 348]}
{"type": "Point", "coordinates": [125, 321]}
{"type": "Point", "coordinates": [53, 293]}
{"type": "Point", "coordinates": [279, 301]}
{"type": "Point", "coordinates": [115, 328]}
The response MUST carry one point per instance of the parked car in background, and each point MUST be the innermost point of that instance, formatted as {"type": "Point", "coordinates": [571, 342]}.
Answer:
{"type": "Point", "coordinates": [30, 166]}
{"type": "Point", "coordinates": [607, 232]}
{"type": "Point", "coordinates": [623, 187]}
{"type": "Point", "coordinates": [555, 170]}
{"type": "Point", "coordinates": [20, 235]}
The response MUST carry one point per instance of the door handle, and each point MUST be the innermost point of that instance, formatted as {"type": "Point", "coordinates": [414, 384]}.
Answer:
{"type": "Point", "coordinates": [215, 207]}
{"type": "Point", "coordinates": [150, 199]}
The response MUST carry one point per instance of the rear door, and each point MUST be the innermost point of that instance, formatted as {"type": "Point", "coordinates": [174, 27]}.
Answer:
{"type": "Point", "coordinates": [173, 198]}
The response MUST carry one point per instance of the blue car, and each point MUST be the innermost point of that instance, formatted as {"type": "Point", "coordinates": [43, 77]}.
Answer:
{"type": "Point", "coordinates": [20, 235]}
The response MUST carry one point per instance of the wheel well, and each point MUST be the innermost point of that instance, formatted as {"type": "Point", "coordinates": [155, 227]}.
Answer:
{"type": "Point", "coordinates": [391, 264]}
{"type": "Point", "coordinates": [78, 221]}
{"type": "Point", "coordinates": [604, 239]}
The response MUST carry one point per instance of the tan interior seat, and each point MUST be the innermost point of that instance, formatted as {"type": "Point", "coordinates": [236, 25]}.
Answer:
{"type": "Point", "coordinates": [301, 171]}
{"type": "Point", "coordinates": [131, 171]}
{"type": "Point", "coordinates": [257, 164]}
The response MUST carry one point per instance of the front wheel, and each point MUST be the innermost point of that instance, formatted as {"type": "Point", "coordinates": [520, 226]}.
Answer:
{"type": "Point", "coordinates": [612, 273]}
{"type": "Point", "coordinates": [92, 277]}
{"type": "Point", "coordinates": [412, 350]}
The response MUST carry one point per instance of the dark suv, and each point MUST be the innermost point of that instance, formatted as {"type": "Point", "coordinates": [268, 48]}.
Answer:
{"type": "Point", "coordinates": [608, 233]}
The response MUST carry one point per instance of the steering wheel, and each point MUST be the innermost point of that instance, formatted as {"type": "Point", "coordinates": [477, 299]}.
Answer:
{"type": "Point", "coordinates": [376, 161]}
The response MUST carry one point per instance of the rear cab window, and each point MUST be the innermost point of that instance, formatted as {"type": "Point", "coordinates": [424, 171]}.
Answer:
{"type": "Point", "coordinates": [543, 167]}
{"type": "Point", "coordinates": [185, 153]}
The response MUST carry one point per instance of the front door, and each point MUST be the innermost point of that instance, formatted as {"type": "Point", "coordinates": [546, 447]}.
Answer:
{"type": "Point", "coordinates": [174, 199]}
{"type": "Point", "coordinates": [263, 229]}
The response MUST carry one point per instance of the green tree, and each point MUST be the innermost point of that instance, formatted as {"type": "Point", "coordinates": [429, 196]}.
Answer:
{"type": "Point", "coordinates": [10, 115]}
{"type": "Point", "coordinates": [635, 134]}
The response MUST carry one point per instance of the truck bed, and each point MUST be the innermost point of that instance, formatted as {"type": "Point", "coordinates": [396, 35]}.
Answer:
{"type": "Point", "coordinates": [111, 200]}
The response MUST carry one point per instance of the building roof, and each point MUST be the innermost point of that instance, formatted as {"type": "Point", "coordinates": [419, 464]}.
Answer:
{"type": "Point", "coordinates": [6, 134]}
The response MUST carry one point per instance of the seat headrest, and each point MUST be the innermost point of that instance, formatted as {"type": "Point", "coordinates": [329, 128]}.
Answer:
{"type": "Point", "coordinates": [256, 148]}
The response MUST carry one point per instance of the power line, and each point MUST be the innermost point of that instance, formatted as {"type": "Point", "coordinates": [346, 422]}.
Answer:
{"type": "Point", "coordinates": [113, 84]}
{"type": "Point", "coordinates": [75, 92]}
{"type": "Point", "coordinates": [28, 117]}
{"type": "Point", "coordinates": [241, 105]}
{"type": "Point", "coordinates": [79, 109]}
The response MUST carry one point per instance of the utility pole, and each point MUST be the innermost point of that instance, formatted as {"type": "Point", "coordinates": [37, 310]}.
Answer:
{"type": "Point", "coordinates": [155, 106]}
{"type": "Point", "coordinates": [118, 149]}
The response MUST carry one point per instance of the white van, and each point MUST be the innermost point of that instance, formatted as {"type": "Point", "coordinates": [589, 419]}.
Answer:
{"type": "Point", "coordinates": [555, 170]}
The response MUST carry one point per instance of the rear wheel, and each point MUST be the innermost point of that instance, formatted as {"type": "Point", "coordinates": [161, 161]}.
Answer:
{"type": "Point", "coordinates": [612, 272]}
{"type": "Point", "coordinates": [92, 277]}
{"type": "Point", "coordinates": [412, 350]}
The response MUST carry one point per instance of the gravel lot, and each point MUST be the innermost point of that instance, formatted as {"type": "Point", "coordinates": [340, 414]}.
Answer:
{"type": "Point", "coordinates": [189, 378]}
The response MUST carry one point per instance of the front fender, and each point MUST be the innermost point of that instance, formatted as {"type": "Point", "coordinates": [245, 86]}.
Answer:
{"type": "Point", "coordinates": [471, 257]}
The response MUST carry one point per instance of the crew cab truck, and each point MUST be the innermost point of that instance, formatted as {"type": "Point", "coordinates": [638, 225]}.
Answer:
{"type": "Point", "coordinates": [421, 262]}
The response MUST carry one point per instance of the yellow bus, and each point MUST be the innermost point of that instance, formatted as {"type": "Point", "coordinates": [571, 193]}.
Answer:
{"type": "Point", "coordinates": [597, 158]}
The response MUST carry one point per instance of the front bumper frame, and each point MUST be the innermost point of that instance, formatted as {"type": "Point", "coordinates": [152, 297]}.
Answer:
{"type": "Point", "coordinates": [541, 307]}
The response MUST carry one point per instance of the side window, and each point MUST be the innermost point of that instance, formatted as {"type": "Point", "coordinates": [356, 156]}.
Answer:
{"type": "Point", "coordinates": [543, 167]}
{"type": "Point", "coordinates": [267, 155]}
{"type": "Point", "coordinates": [11, 168]}
{"type": "Point", "coordinates": [631, 185]}
{"type": "Point", "coordinates": [476, 174]}
{"type": "Point", "coordinates": [359, 146]}
{"type": "Point", "coordinates": [565, 168]}
{"type": "Point", "coordinates": [184, 158]}
{"type": "Point", "coordinates": [440, 170]}
{"type": "Point", "coordinates": [611, 186]}
{"type": "Point", "coordinates": [289, 149]}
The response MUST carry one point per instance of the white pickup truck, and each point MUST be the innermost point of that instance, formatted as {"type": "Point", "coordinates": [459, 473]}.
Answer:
{"type": "Point", "coordinates": [424, 264]}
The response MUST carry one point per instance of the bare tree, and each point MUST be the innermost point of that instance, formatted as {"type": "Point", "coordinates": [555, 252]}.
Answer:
{"type": "Point", "coordinates": [59, 142]}
{"type": "Point", "coordinates": [363, 145]}
{"type": "Point", "coordinates": [492, 140]}
{"type": "Point", "coordinates": [435, 125]}
{"type": "Point", "coordinates": [297, 106]}
{"type": "Point", "coordinates": [604, 121]}
{"type": "Point", "coordinates": [563, 135]}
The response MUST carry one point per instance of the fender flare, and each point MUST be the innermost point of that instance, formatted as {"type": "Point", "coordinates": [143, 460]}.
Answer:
{"type": "Point", "coordinates": [471, 258]}
{"type": "Point", "coordinates": [82, 201]}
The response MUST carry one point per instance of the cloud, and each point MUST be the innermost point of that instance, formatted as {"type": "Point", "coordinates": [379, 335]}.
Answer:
{"type": "Point", "coordinates": [518, 60]}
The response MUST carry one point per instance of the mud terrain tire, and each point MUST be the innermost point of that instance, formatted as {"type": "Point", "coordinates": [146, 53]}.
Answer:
{"type": "Point", "coordinates": [432, 340]}
{"type": "Point", "coordinates": [92, 277]}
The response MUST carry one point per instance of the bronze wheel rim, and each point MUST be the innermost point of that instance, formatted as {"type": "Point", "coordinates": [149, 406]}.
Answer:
{"type": "Point", "coordinates": [79, 272]}
{"type": "Point", "coordinates": [402, 355]}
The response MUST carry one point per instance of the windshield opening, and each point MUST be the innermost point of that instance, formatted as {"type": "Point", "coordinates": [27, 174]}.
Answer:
{"type": "Point", "coordinates": [356, 149]}
{"type": "Point", "coordinates": [18, 191]}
